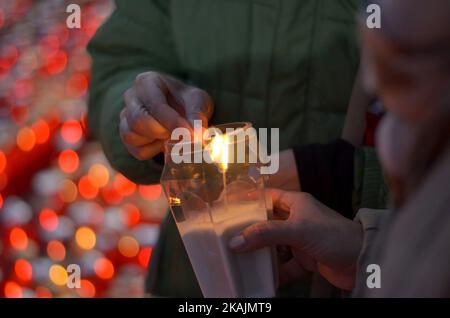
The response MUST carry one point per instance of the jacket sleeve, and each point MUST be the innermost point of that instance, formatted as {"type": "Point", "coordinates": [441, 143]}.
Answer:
{"type": "Point", "coordinates": [369, 186]}
{"type": "Point", "coordinates": [372, 223]}
{"type": "Point", "coordinates": [341, 176]}
{"type": "Point", "coordinates": [136, 38]}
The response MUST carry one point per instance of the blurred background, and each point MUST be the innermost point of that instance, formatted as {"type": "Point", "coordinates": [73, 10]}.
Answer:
{"type": "Point", "coordinates": [60, 201]}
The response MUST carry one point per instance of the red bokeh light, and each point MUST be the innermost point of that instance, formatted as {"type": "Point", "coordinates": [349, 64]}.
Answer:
{"type": "Point", "coordinates": [68, 161]}
{"type": "Point", "coordinates": [13, 290]}
{"type": "Point", "coordinates": [132, 215]}
{"type": "Point", "coordinates": [87, 189]}
{"type": "Point", "coordinates": [56, 62]}
{"type": "Point", "coordinates": [24, 270]}
{"type": "Point", "coordinates": [71, 131]}
{"type": "Point", "coordinates": [18, 239]}
{"type": "Point", "coordinates": [104, 268]}
{"type": "Point", "coordinates": [48, 220]}
{"type": "Point", "coordinates": [111, 196]}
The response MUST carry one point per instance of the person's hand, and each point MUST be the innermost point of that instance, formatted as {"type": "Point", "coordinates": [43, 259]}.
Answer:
{"type": "Point", "coordinates": [154, 106]}
{"type": "Point", "coordinates": [320, 239]}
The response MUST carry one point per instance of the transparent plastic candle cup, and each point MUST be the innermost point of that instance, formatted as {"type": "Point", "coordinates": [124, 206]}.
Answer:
{"type": "Point", "coordinates": [212, 202]}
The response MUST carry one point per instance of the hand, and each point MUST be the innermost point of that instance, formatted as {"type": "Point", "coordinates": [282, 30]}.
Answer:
{"type": "Point", "coordinates": [320, 239]}
{"type": "Point", "coordinates": [154, 106]}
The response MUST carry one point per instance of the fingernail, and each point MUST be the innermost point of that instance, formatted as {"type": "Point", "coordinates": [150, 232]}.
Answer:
{"type": "Point", "coordinates": [236, 242]}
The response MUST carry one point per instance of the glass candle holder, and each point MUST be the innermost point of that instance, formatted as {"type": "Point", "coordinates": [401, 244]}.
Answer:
{"type": "Point", "coordinates": [212, 202]}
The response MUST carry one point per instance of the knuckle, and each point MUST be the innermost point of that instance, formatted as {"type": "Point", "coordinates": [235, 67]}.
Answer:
{"type": "Point", "coordinates": [200, 95]}
{"type": "Point", "coordinates": [147, 76]}
{"type": "Point", "coordinates": [204, 101]}
{"type": "Point", "coordinates": [128, 138]}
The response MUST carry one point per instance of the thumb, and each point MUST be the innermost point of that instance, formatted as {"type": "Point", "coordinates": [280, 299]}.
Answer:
{"type": "Point", "coordinates": [197, 106]}
{"type": "Point", "coordinates": [261, 235]}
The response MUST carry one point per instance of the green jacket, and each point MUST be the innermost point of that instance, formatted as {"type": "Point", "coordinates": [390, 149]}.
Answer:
{"type": "Point", "coordinates": [288, 64]}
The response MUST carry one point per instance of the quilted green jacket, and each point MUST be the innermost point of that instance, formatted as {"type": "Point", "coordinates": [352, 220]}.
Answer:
{"type": "Point", "coordinates": [288, 64]}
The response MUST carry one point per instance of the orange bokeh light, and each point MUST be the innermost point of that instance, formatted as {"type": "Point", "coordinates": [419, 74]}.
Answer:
{"type": "Point", "coordinates": [150, 192]}
{"type": "Point", "coordinates": [58, 275]}
{"type": "Point", "coordinates": [26, 139]}
{"type": "Point", "coordinates": [87, 189]}
{"type": "Point", "coordinates": [48, 219]}
{"type": "Point", "coordinates": [144, 256]}
{"type": "Point", "coordinates": [56, 251]}
{"type": "Point", "coordinates": [41, 130]}
{"type": "Point", "coordinates": [99, 175]}
{"type": "Point", "coordinates": [123, 185]}
{"type": "Point", "coordinates": [18, 238]}
{"type": "Point", "coordinates": [3, 161]}
{"type": "Point", "coordinates": [128, 246]}
{"type": "Point", "coordinates": [86, 290]}
{"type": "Point", "coordinates": [68, 191]}
{"type": "Point", "coordinates": [85, 238]}
{"type": "Point", "coordinates": [104, 268]}
{"type": "Point", "coordinates": [71, 131]}
{"type": "Point", "coordinates": [13, 290]}
{"type": "Point", "coordinates": [1, 201]}
{"type": "Point", "coordinates": [23, 270]}
{"type": "Point", "coordinates": [68, 161]}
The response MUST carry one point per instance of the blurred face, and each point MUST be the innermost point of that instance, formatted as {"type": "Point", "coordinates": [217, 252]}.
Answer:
{"type": "Point", "coordinates": [411, 79]}
{"type": "Point", "coordinates": [407, 80]}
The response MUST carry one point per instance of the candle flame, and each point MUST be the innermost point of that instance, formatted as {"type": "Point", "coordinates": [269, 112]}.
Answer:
{"type": "Point", "coordinates": [219, 151]}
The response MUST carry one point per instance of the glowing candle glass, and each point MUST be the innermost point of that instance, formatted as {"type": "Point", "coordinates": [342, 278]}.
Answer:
{"type": "Point", "coordinates": [211, 203]}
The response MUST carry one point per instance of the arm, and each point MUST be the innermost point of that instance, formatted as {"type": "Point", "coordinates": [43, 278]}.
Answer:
{"type": "Point", "coordinates": [135, 39]}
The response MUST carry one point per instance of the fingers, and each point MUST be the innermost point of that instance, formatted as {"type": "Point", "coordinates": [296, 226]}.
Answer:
{"type": "Point", "coordinates": [130, 137]}
{"type": "Point", "coordinates": [139, 120]}
{"type": "Point", "coordinates": [146, 152]}
{"type": "Point", "coordinates": [151, 90]}
{"type": "Point", "coordinates": [154, 107]}
{"type": "Point", "coordinates": [283, 200]}
{"type": "Point", "coordinates": [198, 106]}
{"type": "Point", "coordinates": [261, 235]}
